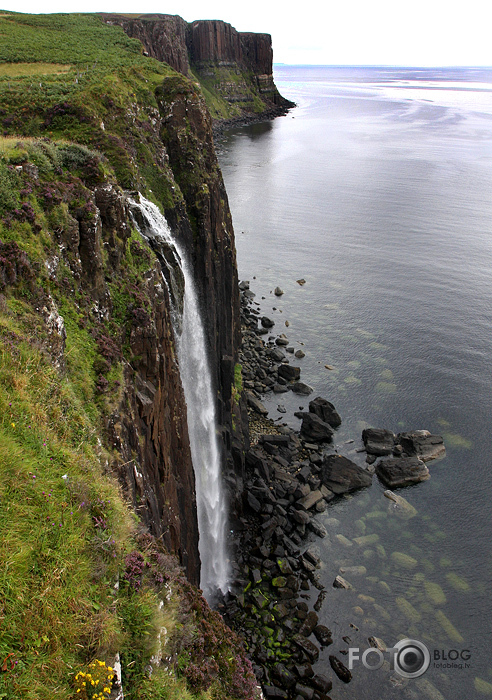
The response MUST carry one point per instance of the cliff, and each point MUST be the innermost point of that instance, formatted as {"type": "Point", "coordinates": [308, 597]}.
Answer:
{"type": "Point", "coordinates": [234, 69]}
{"type": "Point", "coordinates": [93, 411]}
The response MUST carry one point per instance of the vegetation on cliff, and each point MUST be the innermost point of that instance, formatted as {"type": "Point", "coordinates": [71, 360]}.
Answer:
{"type": "Point", "coordinates": [82, 579]}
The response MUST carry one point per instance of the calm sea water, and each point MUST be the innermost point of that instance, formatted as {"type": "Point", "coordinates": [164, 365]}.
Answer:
{"type": "Point", "coordinates": [377, 190]}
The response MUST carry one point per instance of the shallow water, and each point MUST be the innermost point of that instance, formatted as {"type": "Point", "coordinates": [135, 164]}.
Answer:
{"type": "Point", "coordinates": [377, 190]}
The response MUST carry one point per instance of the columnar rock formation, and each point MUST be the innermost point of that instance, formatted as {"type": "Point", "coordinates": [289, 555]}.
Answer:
{"type": "Point", "coordinates": [239, 64]}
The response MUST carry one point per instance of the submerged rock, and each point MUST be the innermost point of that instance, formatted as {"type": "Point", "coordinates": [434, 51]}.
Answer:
{"type": "Point", "coordinates": [400, 506]}
{"type": "Point", "coordinates": [402, 471]}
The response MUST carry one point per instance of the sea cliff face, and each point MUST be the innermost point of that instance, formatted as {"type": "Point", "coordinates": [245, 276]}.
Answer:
{"type": "Point", "coordinates": [235, 69]}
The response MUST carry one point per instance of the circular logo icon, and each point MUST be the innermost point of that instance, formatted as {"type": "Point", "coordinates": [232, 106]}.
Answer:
{"type": "Point", "coordinates": [412, 658]}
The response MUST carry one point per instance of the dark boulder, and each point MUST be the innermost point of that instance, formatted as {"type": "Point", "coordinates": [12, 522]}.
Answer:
{"type": "Point", "coordinates": [267, 322]}
{"type": "Point", "coordinates": [342, 671]}
{"type": "Point", "coordinates": [314, 429]}
{"type": "Point", "coordinates": [283, 676]}
{"type": "Point", "coordinates": [378, 441]}
{"type": "Point", "coordinates": [402, 471]}
{"type": "Point", "coordinates": [420, 443]}
{"type": "Point", "coordinates": [326, 411]}
{"type": "Point", "coordinates": [323, 635]}
{"type": "Point", "coordinates": [307, 647]}
{"type": "Point", "coordinates": [341, 475]}
{"type": "Point", "coordinates": [289, 373]}
{"type": "Point", "coordinates": [302, 389]}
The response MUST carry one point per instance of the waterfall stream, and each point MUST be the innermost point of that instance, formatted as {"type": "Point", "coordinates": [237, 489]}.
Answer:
{"type": "Point", "coordinates": [197, 384]}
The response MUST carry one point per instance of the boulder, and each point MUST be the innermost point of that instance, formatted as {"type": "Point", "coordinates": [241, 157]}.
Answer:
{"type": "Point", "coordinates": [307, 647]}
{"type": "Point", "coordinates": [400, 506]}
{"type": "Point", "coordinates": [291, 374]}
{"type": "Point", "coordinates": [278, 292]}
{"type": "Point", "coordinates": [303, 389]}
{"type": "Point", "coordinates": [401, 471]}
{"type": "Point", "coordinates": [267, 322]}
{"type": "Point", "coordinates": [326, 411]}
{"type": "Point", "coordinates": [314, 429]}
{"type": "Point", "coordinates": [340, 582]}
{"type": "Point", "coordinates": [342, 671]}
{"type": "Point", "coordinates": [422, 444]}
{"type": "Point", "coordinates": [323, 635]}
{"type": "Point", "coordinates": [378, 441]}
{"type": "Point", "coordinates": [341, 475]}
{"type": "Point", "coordinates": [255, 404]}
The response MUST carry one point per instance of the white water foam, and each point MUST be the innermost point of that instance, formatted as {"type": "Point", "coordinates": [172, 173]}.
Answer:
{"type": "Point", "coordinates": [197, 384]}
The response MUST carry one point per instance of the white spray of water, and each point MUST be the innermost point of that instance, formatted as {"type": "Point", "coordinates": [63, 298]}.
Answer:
{"type": "Point", "coordinates": [197, 384]}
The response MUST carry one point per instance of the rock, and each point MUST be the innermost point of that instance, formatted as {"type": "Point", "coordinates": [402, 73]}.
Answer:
{"type": "Point", "coordinates": [253, 502]}
{"type": "Point", "coordinates": [309, 624]}
{"type": "Point", "coordinates": [482, 687]}
{"type": "Point", "coordinates": [341, 475]}
{"type": "Point", "coordinates": [315, 429]}
{"type": "Point", "coordinates": [400, 506]}
{"type": "Point", "coordinates": [277, 355]}
{"type": "Point", "coordinates": [344, 541]}
{"type": "Point", "coordinates": [255, 403]}
{"type": "Point", "coordinates": [304, 671]}
{"type": "Point", "coordinates": [282, 674]}
{"type": "Point", "coordinates": [323, 635]}
{"type": "Point", "coordinates": [340, 582]}
{"type": "Point", "coordinates": [402, 471]}
{"type": "Point", "coordinates": [303, 692]}
{"type": "Point", "coordinates": [282, 340]}
{"type": "Point", "coordinates": [299, 354]}
{"type": "Point", "coordinates": [326, 411]}
{"type": "Point", "coordinates": [267, 322]}
{"type": "Point", "coordinates": [280, 389]}
{"type": "Point", "coordinates": [289, 373]}
{"type": "Point", "coordinates": [377, 643]}
{"type": "Point", "coordinates": [303, 389]}
{"type": "Point", "coordinates": [278, 292]}
{"type": "Point", "coordinates": [378, 441]}
{"type": "Point", "coordinates": [307, 647]}
{"type": "Point", "coordinates": [273, 693]}
{"type": "Point", "coordinates": [301, 281]}
{"type": "Point", "coordinates": [422, 444]}
{"type": "Point", "coordinates": [342, 671]}
{"type": "Point", "coordinates": [317, 527]}
{"type": "Point", "coordinates": [353, 570]}
{"type": "Point", "coordinates": [244, 285]}
{"type": "Point", "coordinates": [404, 561]}
{"type": "Point", "coordinates": [366, 539]}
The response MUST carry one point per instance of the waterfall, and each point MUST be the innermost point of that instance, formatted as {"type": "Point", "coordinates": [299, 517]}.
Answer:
{"type": "Point", "coordinates": [196, 379]}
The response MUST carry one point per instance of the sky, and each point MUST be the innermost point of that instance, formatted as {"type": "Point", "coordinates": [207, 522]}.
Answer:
{"type": "Point", "coordinates": [346, 32]}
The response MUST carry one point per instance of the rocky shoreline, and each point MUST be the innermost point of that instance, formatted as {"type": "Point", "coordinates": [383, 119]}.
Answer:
{"type": "Point", "coordinates": [291, 476]}
{"type": "Point", "coordinates": [220, 126]}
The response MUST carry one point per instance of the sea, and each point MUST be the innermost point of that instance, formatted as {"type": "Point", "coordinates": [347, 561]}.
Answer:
{"type": "Point", "coordinates": [376, 189]}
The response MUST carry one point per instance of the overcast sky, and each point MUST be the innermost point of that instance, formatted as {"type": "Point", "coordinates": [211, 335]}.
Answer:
{"type": "Point", "coordinates": [387, 32]}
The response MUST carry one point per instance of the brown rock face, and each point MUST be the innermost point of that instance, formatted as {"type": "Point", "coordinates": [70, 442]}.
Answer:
{"type": "Point", "coordinates": [187, 134]}
{"type": "Point", "coordinates": [214, 41]}
{"type": "Point", "coordinates": [163, 37]}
